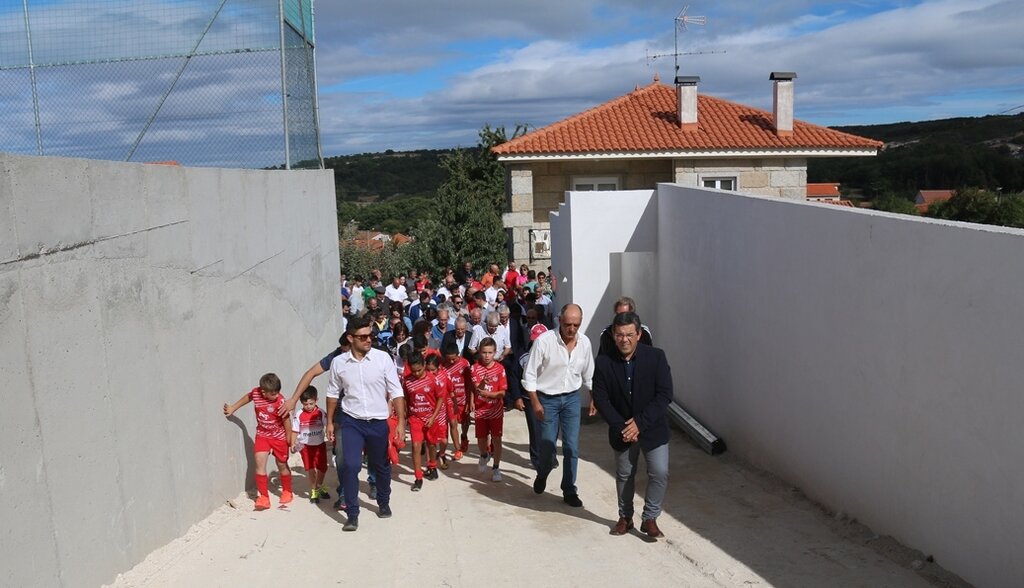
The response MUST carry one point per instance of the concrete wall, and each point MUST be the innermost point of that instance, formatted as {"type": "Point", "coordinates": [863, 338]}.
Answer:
{"type": "Point", "coordinates": [873, 360]}
{"type": "Point", "coordinates": [136, 300]}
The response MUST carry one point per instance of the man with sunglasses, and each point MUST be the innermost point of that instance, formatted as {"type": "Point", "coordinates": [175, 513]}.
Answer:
{"type": "Point", "coordinates": [367, 384]}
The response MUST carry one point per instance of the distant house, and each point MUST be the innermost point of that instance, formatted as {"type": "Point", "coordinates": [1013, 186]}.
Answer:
{"type": "Point", "coordinates": [661, 133]}
{"type": "Point", "coordinates": [823, 192]}
{"type": "Point", "coordinates": [926, 198]}
{"type": "Point", "coordinates": [375, 240]}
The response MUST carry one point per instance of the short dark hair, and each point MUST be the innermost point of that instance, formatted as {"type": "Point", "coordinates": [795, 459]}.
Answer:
{"type": "Point", "coordinates": [308, 394]}
{"type": "Point", "coordinates": [270, 382]}
{"type": "Point", "coordinates": [357, 323]}
{"type": "Point", "coordinates": [415, 358]}
{"type": "Point", "coordinates": [452, 348]}
{"type": "Point", "coordinates": [488, 342]}
{"type": "Point", "coordinates": [419, 341]}
{"type": "Point", "coordinates": [627, 318]}
{"type": "Point", "coordinates": [432, 360]}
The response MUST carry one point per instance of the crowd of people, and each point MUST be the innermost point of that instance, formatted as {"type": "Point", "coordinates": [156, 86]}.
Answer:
{"type": "Point", "coordinates": [433, 360]}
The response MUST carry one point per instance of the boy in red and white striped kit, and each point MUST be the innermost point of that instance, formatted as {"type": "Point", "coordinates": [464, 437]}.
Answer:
{"type": "Point", "coordinates": [424, 405]}
{"type": "Point", "coordinates": [458, 372]}
{"type": "Point", "coordinates": [308, 423]}
{"type": "Point", "coordinates": [444, 390]}
{"type": "Point", "coordinates": [489, 384]}
{"type": "Point", "coordinates": [273, 434]}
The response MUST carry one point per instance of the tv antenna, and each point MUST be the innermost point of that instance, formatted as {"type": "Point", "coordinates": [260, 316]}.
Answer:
{"type": "Point", "coordinates": [681, 21]}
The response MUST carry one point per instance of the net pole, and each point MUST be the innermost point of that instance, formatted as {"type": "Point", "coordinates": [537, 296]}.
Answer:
{"type": "Point", "coordinates": [316, 90]}
{"type": "Point", "coordinates": [32, 77]}
{"type": "Point", "coordinates": [284, 88]}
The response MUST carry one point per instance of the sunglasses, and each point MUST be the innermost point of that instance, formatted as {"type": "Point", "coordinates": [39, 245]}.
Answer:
{"type": "Point", "coordinates": [362, 337]}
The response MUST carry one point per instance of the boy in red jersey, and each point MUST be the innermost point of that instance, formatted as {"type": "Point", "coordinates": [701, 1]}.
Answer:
{"type": "Point", "coordinates": [444, 390]}
{"type": "Point", "coordinates": [424, 404]}
{"type": "Point", "coordinates": [308, 424]}
{"type": "Point", "coordinates": [458, 372]}
{"type": "Point", "coordinates": [273, 434]}
{"type": "Point", "coordinates": [487, 377]}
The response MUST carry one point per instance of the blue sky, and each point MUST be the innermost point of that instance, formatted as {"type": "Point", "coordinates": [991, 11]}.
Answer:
{"type": "Point", "coordinates": [405, 74]}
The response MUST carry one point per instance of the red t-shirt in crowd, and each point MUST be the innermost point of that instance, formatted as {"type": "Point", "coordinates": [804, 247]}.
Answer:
{"type": "Point", "coordinates": [458, 373]}
{"type": "Point", "coordinates": [444, 390]}
{"type": "Point", "coordinates": [492, 379]}
{"type": "Point", "coordinates": [268, 424]}
{"type": "Point", "coordinates": [421, 395]}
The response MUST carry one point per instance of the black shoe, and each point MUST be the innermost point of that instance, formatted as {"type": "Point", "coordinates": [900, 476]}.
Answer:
{"type": "Point", "coordinates": [431, 474]}
{"type": "Point", "coordinates": [539, 484]}
{"type": "Point", "coordinates": [351, 524]}
{"type": "Point", "coordinates": [373, 492]}
{"type": "Point", "coordinates": [384, 512]}
{"type": "Point", "coordinates": [324, 494]}
{"type": "Point", "coordinates": [417, 485]}
{"type": "Point", "coordinates": [339, 504]}
{"type": "Point", "coordinates": [572, 500]}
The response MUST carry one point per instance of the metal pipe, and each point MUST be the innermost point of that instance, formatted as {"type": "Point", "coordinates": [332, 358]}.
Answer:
{"type": "Point", "coordinates": [284, 88]}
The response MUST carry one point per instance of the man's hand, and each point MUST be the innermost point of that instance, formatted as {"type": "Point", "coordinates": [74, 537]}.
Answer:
{"type": "Point", "coordinates": [631, 433]}
{"type": "Point", "coordinates": [330, 431]}
{"type": "Point", "coordinates": [400, 433]}
{"type": "Point", "coordinates": [519, 404]}
{"type": "Point", "coordinates": [592, 410]}
{"type": "Point", "coordinates": [287, 407]}
{"type": "Point", "coordinates": [538, 411]}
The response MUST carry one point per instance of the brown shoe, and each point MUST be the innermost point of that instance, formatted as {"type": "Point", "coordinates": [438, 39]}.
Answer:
{"type": "Point", "coordinates": [650, 526]}
{"type": "Point", "coordinates": [622, 527]}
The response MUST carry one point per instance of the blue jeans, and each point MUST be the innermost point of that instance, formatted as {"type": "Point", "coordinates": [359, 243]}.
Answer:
{"type": "Point", "coordinates": [373, 435]}
{"type": "Point", "coordinates": [560, 412]}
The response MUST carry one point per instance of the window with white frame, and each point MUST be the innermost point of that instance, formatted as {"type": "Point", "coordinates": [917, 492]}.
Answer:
{"type": "Point", "coordinates": [593, 183]}
{"type": "Point", "coordinates": [725, 183]}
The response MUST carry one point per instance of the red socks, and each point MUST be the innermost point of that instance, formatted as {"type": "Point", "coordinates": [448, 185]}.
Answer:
{"type": "Point", "coordinates": [261, 485]}
{"type": "Point", "coordinates": [431, 464]}
{"type": "Point", "coordinates": [286, 483]}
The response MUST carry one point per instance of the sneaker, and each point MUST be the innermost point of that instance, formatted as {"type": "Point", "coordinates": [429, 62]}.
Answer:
{"type": "Point", "coordinates": [262, 502]}
{"type": "Point", "coordinates": [286, 497]}
{"type": "Point", "coordinates": [351, 524]}
{"type": "Point", "coordinates": [539, 484]}
{"type": "Point", "coordinates": [444, 462]}
{"type": "Point", "coordinates": [373, 492]}
{"type": "Point", "coordinates": [432, 474]}
{"type": "Point", "coordinates": [323, 493]}
{"type": "Point", "coordinates": [572, 500]}
{"type": "Point", "coordinates": [384, 511]}
{"type": "Point", "coordinates": [464, 446]}
{"type": "Point", "coordinates": [482, 462]}
{"type": "Point", "coordinates": [457, 456]}
{"type": "Point", "coordinates": [417, 485]}
{"type": "Point", "coordinates": [496, 475]}
{"type": "Point", "coordinates": [339, 504]}
{"type": "Point", "coordinates": [314, 496]}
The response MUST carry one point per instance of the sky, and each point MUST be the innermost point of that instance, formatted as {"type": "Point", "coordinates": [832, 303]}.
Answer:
{"type": "Point", "coordinates": [408, 74]}
{"type": "Point", "coordinates": [414, 74]}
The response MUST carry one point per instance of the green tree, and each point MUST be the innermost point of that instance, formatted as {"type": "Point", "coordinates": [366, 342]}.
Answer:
{"type": "Point", "coordinates": [890, 202]}
{"type": "Point", "coordinates": [978, 206]}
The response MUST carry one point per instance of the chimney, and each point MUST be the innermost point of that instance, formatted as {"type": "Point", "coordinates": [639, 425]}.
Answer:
{"type": "Point", "coordinates": [782, 102]}
{"type": "Point", "coordinates": [686, 96]}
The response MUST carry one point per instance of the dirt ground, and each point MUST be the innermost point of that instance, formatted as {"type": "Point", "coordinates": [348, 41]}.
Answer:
{"type": "Point", "coordinates": [725, 525]}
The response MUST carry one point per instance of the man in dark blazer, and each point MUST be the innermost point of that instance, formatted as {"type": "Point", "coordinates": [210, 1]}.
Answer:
{"type": "Point", "coordinates": [460, 336]}
{"type": "Point", "coordinates": [632, 391]}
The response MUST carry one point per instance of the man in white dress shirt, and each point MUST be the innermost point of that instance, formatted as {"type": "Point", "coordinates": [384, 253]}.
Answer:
{"type": "Point", "coordinates": [366, 381]}
{"type": "Point", "coordinates": [560, 363]}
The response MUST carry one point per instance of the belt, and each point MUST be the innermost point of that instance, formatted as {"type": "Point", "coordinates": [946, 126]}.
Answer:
{"type": "Point", "coordinates": [553, 395]}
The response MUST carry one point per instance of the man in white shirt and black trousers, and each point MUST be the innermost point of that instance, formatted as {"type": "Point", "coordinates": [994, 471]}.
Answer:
{"type": "Point", "coordinates": [366, 381]}
{"type": "Point", "coordinates": [560, 363]}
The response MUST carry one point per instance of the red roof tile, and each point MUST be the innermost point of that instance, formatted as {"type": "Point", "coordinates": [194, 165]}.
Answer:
{"type": "Point", "coordinates": [933, 196]}
{"type": "Point", "coordinates": [645, 121]}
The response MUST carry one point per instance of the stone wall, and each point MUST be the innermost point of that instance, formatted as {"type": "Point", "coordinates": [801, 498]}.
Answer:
{"type": "Point", "coordinates": [135, 300]}
{"type": "Point", "coordinates": [785, 178]}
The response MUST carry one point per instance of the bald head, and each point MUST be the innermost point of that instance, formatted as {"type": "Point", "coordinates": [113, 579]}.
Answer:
{"type": "Point", "coordinates": [569, 321]}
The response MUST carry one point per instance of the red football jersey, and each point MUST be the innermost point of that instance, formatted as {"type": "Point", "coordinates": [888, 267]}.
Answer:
{"type": "Point", "coordinates": [444, 389]}
{"type": "Point", "coordinates": [421, 394]}
{"type": "Point", "coordinates": [491, 379]}
{"type": "Point", "coordinates": [268, 424]}
{"type": "Point", "coordinates": [458, 372]}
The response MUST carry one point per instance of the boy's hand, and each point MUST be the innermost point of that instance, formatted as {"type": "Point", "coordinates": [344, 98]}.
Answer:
{"type": "Point", "coordinates": [430, 422]}
{"type": "Point", "coordinates": [227, 410]}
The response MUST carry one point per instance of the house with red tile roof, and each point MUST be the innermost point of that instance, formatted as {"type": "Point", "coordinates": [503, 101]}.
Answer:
{"type": "Point", "coordinates": [926, 198]}
{"type": "Point", "coordinates": [661, 133]}
{"type": "Point", "coordinates": [822, 192]}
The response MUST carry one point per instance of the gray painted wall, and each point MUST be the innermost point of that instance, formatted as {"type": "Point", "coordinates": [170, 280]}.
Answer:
{"type": "Point", "coordinates": [873, 360]}
{"type": "Point", "coordinates": [135, 300]}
